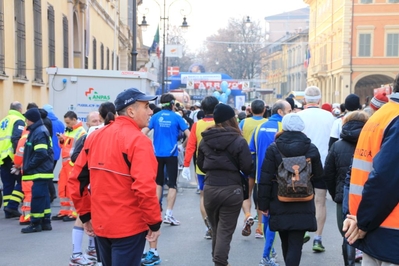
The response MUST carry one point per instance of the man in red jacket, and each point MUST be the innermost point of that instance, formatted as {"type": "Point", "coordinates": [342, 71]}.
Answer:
{"type": "Point", "coordinates": [122, 207]}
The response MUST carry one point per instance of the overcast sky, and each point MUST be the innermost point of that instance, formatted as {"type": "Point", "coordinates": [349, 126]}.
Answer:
{"type": "Point", "coordinates": [207, 16]}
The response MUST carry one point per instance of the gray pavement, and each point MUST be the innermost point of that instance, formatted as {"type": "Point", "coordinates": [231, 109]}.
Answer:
{"type": "Point", "coordinates": [178, 246]}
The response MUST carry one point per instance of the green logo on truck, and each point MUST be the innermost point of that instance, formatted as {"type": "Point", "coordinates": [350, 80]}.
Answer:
{"type": "Point", "coordinates": [94, 96]}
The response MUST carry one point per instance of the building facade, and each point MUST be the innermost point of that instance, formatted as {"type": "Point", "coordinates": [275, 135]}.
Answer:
{"type": "Point", "coordinates": [283, 63]}
{"type": "Point", "coordinates": [354, 46]}
{"type": "Point", "coordinates": [36, 34]}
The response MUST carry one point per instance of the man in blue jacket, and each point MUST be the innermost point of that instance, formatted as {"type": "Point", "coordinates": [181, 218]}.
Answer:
{"type": "Point", "coordinates": [38, 167]}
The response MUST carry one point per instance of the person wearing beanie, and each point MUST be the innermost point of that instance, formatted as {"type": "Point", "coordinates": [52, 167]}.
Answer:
{"type": "Point", "coordinates": [378, 100]}
{"type": "Point", "coordinates": [327, 107]}
{"type": "Point", "coordinates": [33, 115]}
{"type": "Point", "coordinates": [293, 122]}
{"type": "Point", "coordinates": [37, 166]}
{"type": "Point", "coordinates": [352, 103]}
{"type": "Point", "coordinates": [222, 154]}
{"type": "Point", "coordinates": [290, 219]}
{"type": "Point", "coordinates": [261, 139]}
{"type": "Point", "coordinates": [208, 106]}
{"type": "Point", "coordinates": [337, 164]}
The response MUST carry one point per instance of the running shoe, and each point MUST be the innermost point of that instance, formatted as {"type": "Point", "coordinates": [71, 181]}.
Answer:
{"type": "Point", "coordinates": [79, 259]}
{"type": "Point", "coordinates": [246, 229]}
{"type": "Point", "coordinates": [151, 259]}
{"type": "Point", "coordinates": [170, 219]}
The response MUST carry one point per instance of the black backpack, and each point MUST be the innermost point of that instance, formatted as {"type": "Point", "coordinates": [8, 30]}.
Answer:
{"type": "Point", "coordinates": [293, 178]}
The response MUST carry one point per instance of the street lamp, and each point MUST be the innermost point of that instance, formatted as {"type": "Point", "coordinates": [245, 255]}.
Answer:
{"type": "Point", "coordinates": [184, 27]}
{"type": "Point", "coordinates": [248, 22]}
{"type": "Point", "coordinates": [134, 36]}
{"type": "Point", "coordinates": [229, 49]}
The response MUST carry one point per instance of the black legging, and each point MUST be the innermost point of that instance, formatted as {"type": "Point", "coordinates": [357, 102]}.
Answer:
{"type": "Point", "coordinates": [291, 244]}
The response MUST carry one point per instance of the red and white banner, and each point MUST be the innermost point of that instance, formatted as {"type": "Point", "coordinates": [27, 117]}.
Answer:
{"type": "Point", "coordinates": [208, 84]}
{"type": "Point", "coordinates": [173, 71]}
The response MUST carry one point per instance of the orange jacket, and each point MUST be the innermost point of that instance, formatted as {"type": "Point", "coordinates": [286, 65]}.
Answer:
{"type": "Point", "coordinates": [70, 139]}
{"type": "Point", "coordinates": [122, 201]}
{"type": "Point", "coordinates": [194, 140]}
{"type": "Point", "coordinates": [19, 152]}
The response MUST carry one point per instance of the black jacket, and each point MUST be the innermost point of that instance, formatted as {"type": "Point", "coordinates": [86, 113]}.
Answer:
{"type": "Point", "coordinates": [287, 215]}
{"type": "Point", "coordinates": [38, 154]}
{"type": "Point", "coordinates": [339, 158]}
{"type": "Point", "coordinates": [213, 160]}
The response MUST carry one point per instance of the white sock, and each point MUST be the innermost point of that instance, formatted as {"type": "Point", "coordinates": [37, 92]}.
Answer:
{"type": "Point", "coordinates": [169, 212]}
{"type": "Point", "coordinates": [92, 244]}
{"type": "Point", "coordinates": [77, 237]}
{"type": "Point", "coordinates": [154, 250]}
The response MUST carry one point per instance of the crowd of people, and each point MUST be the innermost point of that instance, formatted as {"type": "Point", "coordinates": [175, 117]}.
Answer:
{"type": "Point", "coordinates": [131, 151]}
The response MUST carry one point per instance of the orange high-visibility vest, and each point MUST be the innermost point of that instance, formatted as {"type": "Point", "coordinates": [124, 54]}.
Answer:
{"type": "Point", "coordinates": [70, 139]}
{"type": "Point", "coordinates": [368, 145]}
{"type": "Point", "coordinates": [19, 152]}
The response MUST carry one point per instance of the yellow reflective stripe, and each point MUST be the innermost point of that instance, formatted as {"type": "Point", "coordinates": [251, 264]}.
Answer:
{"type": "Point", "coordinates": [16, 199]}
{"type": "Point", "coordinates": [37, 215]}
{"type": "Point", "coordinates": [37, 176]}
{"type": "Point", "coordinates": [18, 193]}
{"type": "Point", "coordinates": [280, 126]}
{"type": "Point", "coordinates": [40, 146]}
{"type": "Point", "coordinates": [47, 211]}
{"type": "Point", "coordinates": [362, 165]}
{"type": "Point", "coordinates": [27, 217]}
{"type": "Point", "coordinates": [71, 163]}
{"type": "Point", "coordinates": [356, 189]}
{"type": "Point", "coordinates": [6, 197]}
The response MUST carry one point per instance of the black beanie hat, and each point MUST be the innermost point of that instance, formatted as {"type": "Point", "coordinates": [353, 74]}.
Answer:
{"type": "Point", "coordinates": [352, 102]}
{"type": "Point", "coordinates": [32, 115]}
{"type": "Point", "coordinates": [222, 112]}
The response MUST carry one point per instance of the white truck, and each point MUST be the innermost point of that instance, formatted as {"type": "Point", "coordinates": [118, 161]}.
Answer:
{"type": "Point", "coordinates": [83, 90]}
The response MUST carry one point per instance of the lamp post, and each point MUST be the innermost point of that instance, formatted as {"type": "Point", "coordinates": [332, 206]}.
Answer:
{"type": "Point", "coordinates": [184, 26]}
{"type": "Point", "coordinates": [134, 36]}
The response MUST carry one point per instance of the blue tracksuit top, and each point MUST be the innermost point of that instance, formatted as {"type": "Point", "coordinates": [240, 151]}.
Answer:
{"type": "Point", "coordinates": [261, 139]}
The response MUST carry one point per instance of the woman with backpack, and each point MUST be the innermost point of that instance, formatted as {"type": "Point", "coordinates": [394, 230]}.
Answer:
{"type": "Point", "coordinates": [289, 217]}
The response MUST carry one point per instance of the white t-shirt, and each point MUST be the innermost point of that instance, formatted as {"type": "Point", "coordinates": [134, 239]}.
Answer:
{"type": "Point", "coordinates": [336, 128]}
{"type": "Point", "coordinates": [318, 124]}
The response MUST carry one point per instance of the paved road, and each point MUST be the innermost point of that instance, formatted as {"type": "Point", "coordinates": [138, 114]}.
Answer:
{"type": "Point", "coordinates": [178, 246]}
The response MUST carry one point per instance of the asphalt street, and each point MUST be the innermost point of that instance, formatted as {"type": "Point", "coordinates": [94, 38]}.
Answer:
{"type": "Point", "coordinates": [182, 245]}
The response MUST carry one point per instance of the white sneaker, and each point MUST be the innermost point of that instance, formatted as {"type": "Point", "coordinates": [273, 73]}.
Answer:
{"type": "Point", "coordinates": [267, 262]}
{"type": "Point", "coordinates": [79, 260]}
{"type": "Point", "coordinates": [91, 254]}
{"type": "Point", "coordinates": [169, 219]}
